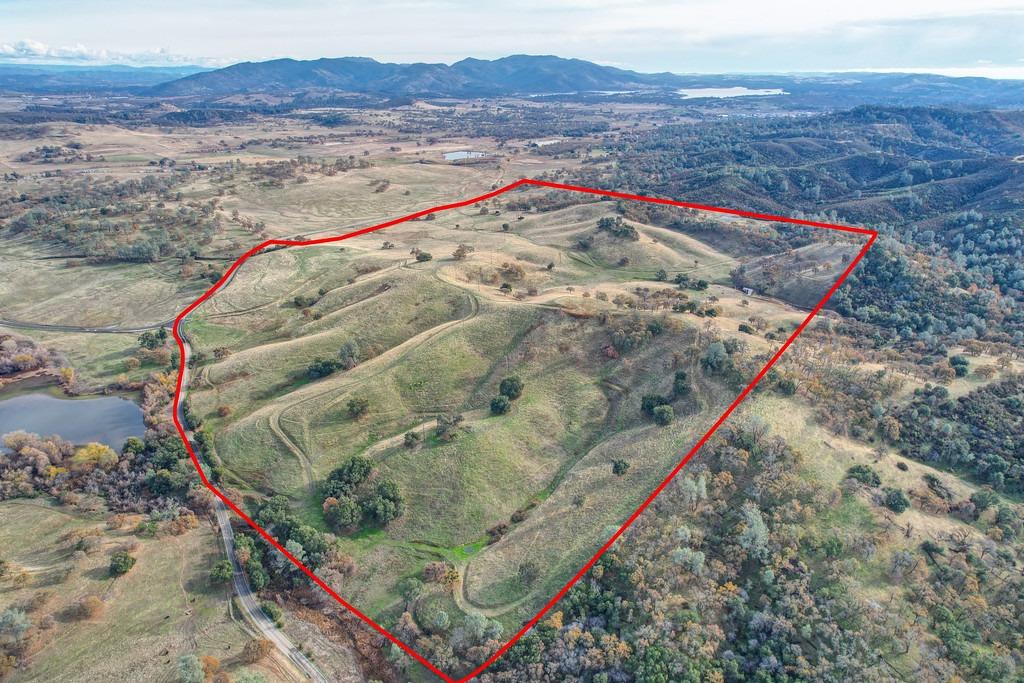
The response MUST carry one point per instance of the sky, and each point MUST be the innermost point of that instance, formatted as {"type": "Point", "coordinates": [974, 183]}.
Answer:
{"type": "Point", "coordinates": [953, 37]}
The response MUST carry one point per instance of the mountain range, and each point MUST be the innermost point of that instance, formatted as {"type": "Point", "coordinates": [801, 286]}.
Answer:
{"type": "Point", "coordinates": [517, 74]}
{"type": "Point", "coordinates": [532, 75]}
{"type": "Point", "coordinates": [539, 75]}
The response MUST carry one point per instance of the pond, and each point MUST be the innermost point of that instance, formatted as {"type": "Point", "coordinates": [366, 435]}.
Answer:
{"type": "Point", "coordinates": [106, 419]}
{"type": "Point", "coordinates": [463, 154]}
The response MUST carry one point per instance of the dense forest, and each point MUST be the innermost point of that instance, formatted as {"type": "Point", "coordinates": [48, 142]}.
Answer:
{"type": "Point", "coordinates": [978, 434]}
{"type": "Point", "coordinates": [740, 572]}
{"type": "Point", "coordinates": [937, 183]}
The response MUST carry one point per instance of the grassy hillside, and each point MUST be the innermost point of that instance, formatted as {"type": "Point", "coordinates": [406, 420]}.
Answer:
{"type": "Point", "coordinates": [513, 501]}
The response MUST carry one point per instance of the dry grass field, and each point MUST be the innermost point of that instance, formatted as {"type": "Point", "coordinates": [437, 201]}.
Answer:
{"type": "Point", "coordinates": [165, 607]}
{"type": "Point", "coordinates": [436, 338]}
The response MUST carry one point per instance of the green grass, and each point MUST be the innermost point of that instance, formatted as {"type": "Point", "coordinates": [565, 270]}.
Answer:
{"type": "Point", "coordinates": [438, 341]}
{"type": "Point", "coordinates": [279, 343]}
{"type": "Point", "coordinates": [251, 450]}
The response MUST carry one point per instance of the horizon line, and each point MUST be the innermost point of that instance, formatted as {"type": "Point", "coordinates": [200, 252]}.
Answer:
{"type": "Point", "coordinates": [987, 72]}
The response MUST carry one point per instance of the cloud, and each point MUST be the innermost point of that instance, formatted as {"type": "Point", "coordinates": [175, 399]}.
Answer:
{"type": "Point", "coordinates": [646, 35]}
{"type": "Point", "coordinates": [34, 52]}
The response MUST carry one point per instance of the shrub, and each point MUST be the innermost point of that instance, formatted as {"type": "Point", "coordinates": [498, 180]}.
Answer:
{"type": "Point", "coordinates": [190, 669]}
{"type": "Point", "coordinates": [651, 401]}
{"type": "Point", "coordinates": [89, 607]}
{"type": "Point", "coordinates": [257, 649]}
{"type": "Point", "coordinates": [500, 405]}
{"type": "Point", "coordinates": [273, 612]}
{"type": "Point", "coordinates": [94, 455]}
{"type": "Point", "coordinates": [618, 228]}
{"type": "Point", "coordinates": [715, 358]}
{"type": "Point", "coordinates": [412, 439]}
{"type": "Point", "coordinates": [441, 621]}
{"type": "Point", "coordinates": [529, 572]}
{"type": "Point", "coordinates": [680, 384]}
{"type": "Point", "coordinates": [864, 474]}
{"type": "Point", "coordinates": [321, 367]}
{"type": "Point", "coordinates": [786, 386]}
{"type": "Point", "coordinates": [620, 467]}
{"type": "Point", "coordinates": [342, 512]}
{"type": "Point", "coordinates": [342, 481]}
{"type": "Point", "coordinates": [410, 588]}
{"type": "Point", "coordinates": [14, 624]}
{"type": "Point", "coordinates": [358, 406]}
{"type": "Point", "coordinates": [496, 532]}
{"type": "Point", "coordinates": [222, 572]}
{"type": "Point", "coordinates": [448, 426]}
{"type": "Point", "coordinates": [512, 387]}
{"type": "Point", "coordinates": [387, 504]}
{"type": "Point", "coordinates": [153, 339]}
{"type": "Point", "coordinates": [983, 499]}
{"type": "Point", "coordinates": [211, 666]}
{"type": "Point", "coordinates": [423, 257]}
{"type": "Point", "coordinates": [663, 415]}
{"type": "Point", "coordinates": [121, 563]}
{"type": "Point", "coordinates": [349, 354]}
{"type": "Point", "coordinates": [895, 499]}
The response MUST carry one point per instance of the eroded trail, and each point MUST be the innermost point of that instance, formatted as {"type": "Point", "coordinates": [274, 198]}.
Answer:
{"type": "Point", "coordinates": [368, 370]}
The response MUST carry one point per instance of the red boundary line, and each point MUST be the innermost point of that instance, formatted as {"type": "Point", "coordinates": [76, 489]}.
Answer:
{"type": "Point", "coordinates": [654, 494]}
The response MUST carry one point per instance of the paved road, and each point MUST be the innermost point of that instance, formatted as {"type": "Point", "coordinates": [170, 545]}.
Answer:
{"type": "Point", "coordinates": [246, 598]}
{"type": "Point", "coordinates": [250, 606]}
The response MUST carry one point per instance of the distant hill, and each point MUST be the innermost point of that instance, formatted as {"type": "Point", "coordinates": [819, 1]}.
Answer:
{"type": "Point", "coordinates": [542, 76]}
{"type": "Point", "coordinates": [58, 78]}
{"type": "Point", "coordinates": [556, 76]}
{"type": "Point", "coordinates": [518, 74]}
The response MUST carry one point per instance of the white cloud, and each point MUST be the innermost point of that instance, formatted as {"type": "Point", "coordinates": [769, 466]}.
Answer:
{"type": "Point", "coordinates": [647, 35]}
{"type": "Point", "coordinates": [34, 52]}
